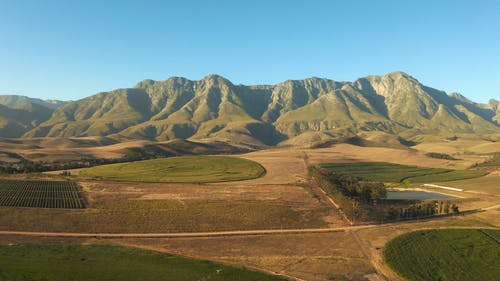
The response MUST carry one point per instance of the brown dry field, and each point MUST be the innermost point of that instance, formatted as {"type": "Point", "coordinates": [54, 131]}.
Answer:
{"type": "Point", "coordinates": [280, 199]}
{"type": "Point", "coordinates": [348, 153]}
{"type": "Point", "coordinates": [352, 254]}
{"type": "Point", "coordinates": [51, 149]}
{"type": "Point", "coordinates": [489, 184]}
{"type": "Point", "coordinates": [139, 207]}
{"type": "Point", "coordinates": [460, 147]}
{"type": "Point", "coordinates": [285, 165]}
{"type": "Point", "coordinates": [321, 256]}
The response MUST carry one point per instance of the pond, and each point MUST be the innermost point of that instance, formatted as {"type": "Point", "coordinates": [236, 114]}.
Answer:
{"type": "Point", "coordinates": [415, 195]}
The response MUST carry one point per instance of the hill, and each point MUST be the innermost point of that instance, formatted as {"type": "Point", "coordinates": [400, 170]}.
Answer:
{"type": "Point", "coordinates": [215, 109]}
{"type": "Point", "coordinates": [19, 114]}
{"type": "Point", "coordinates": [19, 102]}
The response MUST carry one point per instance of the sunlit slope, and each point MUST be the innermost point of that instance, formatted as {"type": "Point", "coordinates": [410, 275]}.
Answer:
{"type": "Point", "coordinates": [19, 114]}
{"type": "Point", "coordinates": [216, 109]}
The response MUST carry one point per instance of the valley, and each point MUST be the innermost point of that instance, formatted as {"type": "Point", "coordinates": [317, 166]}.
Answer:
{"type": "Point", "coordinates": [249, 140]}
{"type": "Point", "coordinates": [303, 180]}
{"type": "Point", "coordinates": [276, 223]}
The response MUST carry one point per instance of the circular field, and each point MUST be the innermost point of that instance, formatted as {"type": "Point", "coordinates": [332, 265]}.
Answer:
{"type": "Point", "coordinates": [62, 262]}
{"type": "Point", "coordinates": [184, 169]}
{"type": "Point", "coordinates": [448, 254]}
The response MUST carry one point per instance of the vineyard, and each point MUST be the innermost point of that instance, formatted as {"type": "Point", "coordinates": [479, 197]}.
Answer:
{"type": "Point", "coordinates": [40, 194]}
{"type": "Point", "coordinates": [446, 254]}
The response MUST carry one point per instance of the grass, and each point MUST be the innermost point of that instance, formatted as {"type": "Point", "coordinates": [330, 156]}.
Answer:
{"type": "Point", "coordinates": [452, 254]}
{"type": "Point", "coordinates": [183, 169]}
{"type": "Point", "coordinates": [100, 262]}
{"type": "Point", "coordinates": [163, 216]}
{"type": "Point", "coordinates": [389, 172]}
{"type": "Point", "coordinates": [138, 207]}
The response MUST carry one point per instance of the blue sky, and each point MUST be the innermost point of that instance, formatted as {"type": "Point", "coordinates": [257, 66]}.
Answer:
{"type": "Point", "coordinates": [72, 49]}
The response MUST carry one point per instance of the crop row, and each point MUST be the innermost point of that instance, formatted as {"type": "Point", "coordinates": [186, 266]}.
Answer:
{"type": "Point", "coordinates": [40, 194]}
{"type": "Point", "coordinates": [389, 172]}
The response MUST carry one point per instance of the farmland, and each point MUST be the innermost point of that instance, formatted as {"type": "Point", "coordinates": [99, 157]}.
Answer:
{"type": "Point", "coordinates": [452, 254]}
{"type": "Point", "coordinates": [100, 262]}
{"type": "Point", "coordinates": [158, 207]}
{"type": "Point", "coordinates": [40, 194]}
{"type": "Point", "coordinates": [192, 169]}
{"type": "Point", "coordinates": [279, 199]}
{"type": "Point", "coordinates": [396, 173]}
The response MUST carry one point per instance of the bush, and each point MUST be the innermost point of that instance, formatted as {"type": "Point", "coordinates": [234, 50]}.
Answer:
{"type": "Point", "coordinates": [440, 156]}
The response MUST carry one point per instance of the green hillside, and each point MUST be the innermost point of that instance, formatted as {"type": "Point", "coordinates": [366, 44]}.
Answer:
{"type": "Point", "coordinates": [213, 108]}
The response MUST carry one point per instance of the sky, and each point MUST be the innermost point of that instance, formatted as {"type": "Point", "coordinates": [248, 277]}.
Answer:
{"type": "Point", "coordinates": [72, 49]}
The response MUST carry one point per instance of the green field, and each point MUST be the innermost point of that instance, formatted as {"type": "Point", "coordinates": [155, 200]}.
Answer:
{"type": "Point", "coordinates": [451, 254]}
{"type": "Point", "coordinates": [99, 262]}
{"type": "Point", "coordinates": [194, 169]}
{"type": "Point", "coordinates": [40, 194]}
{"type": "Point", "coordinates": [389, 172]}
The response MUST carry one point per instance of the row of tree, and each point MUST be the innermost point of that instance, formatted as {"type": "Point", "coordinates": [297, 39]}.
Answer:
{"type": "Point", "coordinates": [349, 185]}
{"type": "Point", "coordinates": [356, 197]}
{"type": "Point", "coordinates": [347, 191]}
{"type": "Point", "coordinates": [26, 166]}
{"type": "Point", "coordinates": [440, 156]}
{"type": "Point", "coordinates": [424, 209]}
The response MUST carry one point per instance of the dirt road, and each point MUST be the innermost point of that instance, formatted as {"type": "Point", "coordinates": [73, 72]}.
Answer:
{"type": "Point", "coordinates": [211, 234]}
{"type": "Point", "coordinates": [182, 234]}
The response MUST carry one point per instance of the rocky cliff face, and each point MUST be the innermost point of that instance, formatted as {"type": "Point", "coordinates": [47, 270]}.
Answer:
{"type": "Point", "coordinates": [214, 108]}
{"type": "Point", "coordinates": [494, 105]}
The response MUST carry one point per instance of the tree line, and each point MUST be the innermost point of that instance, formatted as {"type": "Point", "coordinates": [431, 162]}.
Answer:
{"type": "Point", "coordinates": [348, 191]}
{"type": "Point", "coordinates": [423, 209]}
{"type": "Point", "coordinates": [354, 197]}
{"type": "Point", "coordinates": [27, 166]}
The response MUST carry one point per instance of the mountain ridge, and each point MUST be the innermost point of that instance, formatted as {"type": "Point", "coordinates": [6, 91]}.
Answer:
{"type": "Point", "coordinates": [214, 108]}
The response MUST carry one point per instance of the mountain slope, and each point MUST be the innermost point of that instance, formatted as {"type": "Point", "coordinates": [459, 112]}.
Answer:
{"type": "Point", "coordinates": [494, 105]}
{"type": "Point", "coordinates": [98, 115]}
{"type": "Point", "coordinates": [416, 106]}
{"type": "Point", "coordinates": [19, 114]}
{"type": "Point", "coordinates": [213, 108]}
{"type": "Point", "coordinates": [19, 102]}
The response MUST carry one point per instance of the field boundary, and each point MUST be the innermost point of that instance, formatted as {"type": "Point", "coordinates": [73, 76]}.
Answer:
{"type": "Point", "coordinates": [222, 233]}
{"type": "Point", "coordinates": [319, 193]}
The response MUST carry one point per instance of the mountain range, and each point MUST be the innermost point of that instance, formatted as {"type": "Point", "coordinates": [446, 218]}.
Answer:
{"type": "Point", "coordinates": [213, 108]}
